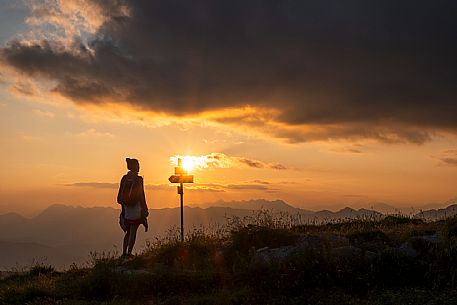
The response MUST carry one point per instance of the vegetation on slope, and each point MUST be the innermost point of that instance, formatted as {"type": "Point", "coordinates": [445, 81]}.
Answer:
{"type": "Point", "coordinates": [266, 260]}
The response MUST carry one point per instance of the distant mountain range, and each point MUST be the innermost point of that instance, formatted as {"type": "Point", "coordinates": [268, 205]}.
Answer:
{"type": "Point", "coordinates": [63, 234]}
{"type": "Point", "coordinates": [275, 205]}
{"type": "Point", "coordinates": [435, 214]}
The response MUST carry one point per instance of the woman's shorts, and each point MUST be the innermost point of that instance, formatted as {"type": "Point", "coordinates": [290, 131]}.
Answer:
{"type": "Point", "coordinates": [129, 222]}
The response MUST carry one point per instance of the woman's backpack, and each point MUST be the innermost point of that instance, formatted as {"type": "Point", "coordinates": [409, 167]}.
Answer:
{"type": "Point", "coordinates": [131, 190]}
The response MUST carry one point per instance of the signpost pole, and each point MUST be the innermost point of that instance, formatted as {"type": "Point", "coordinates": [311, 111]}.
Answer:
{"type": "Point", "coordinates": [182, 210]}
{"type": "Point", "coordinates": [181, 176]}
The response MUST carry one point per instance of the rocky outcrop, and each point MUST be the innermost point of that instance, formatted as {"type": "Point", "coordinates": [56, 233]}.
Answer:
{"type": "Point", "coordinates": [314, 243]}
{"type": "Point", "coordinates": [418, 245]}
{"type": "Point", "coordinates": [340, 247]}
{"type": "Point", "coordinates": [351, 252]}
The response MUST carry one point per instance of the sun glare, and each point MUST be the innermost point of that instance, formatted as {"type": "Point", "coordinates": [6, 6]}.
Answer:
{"type": "Point", "coordinates": [188, 163]}
{"type": "Point", "coordinates": [213, 160]}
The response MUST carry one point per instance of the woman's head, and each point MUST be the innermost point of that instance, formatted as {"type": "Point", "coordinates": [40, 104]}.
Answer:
{"type": "Point", "coordinates": [133, 165]}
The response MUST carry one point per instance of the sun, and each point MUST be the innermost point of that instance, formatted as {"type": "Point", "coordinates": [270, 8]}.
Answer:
{"type": "Point", "coordinates": [188, 163]}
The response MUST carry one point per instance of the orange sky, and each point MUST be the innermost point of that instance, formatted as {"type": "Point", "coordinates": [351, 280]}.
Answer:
{"type": "Point", "coordinates": [58, 148]}
{"type": "Point", "coordinates": [48, 148]}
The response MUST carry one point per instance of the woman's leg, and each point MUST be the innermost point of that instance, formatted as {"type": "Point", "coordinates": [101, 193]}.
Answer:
{"type": "Point", "coordinates": [132, 236]}
{"type": "Point", "coordinates": [126, 240]}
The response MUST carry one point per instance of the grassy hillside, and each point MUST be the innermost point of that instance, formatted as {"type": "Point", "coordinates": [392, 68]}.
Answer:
{"type": "Point", "coordinates": [395, 260]}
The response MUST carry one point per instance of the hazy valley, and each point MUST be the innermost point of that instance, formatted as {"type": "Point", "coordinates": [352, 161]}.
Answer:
{"type": "Point", "coordinates": [62, 235]}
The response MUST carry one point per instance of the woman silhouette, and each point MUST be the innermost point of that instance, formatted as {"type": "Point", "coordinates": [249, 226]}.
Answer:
{"type": "Point", "coordinates": [134, 208]}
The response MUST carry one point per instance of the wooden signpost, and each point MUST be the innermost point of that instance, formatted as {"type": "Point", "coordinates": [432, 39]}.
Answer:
{"type": "Point", "coordinates": [181, 177]}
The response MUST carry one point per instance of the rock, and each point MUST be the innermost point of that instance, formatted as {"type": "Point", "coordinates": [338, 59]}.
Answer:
{"type": "Point", "coordinates": [262, 249]}
{"type": "Point", "coordinates": [125, 270]}
{"type": "Point", "coordinates": [338, 244]}
{"type": "Point", "coordinates": [407, 249]}
{"type": "Point", "coordinates": [370, 255]}
{"type": "Point", "coordinates": [418, 245]}
{"type": "Point", "coordinates": [266, 255]}
{"type": "Point", "coordinates": [347, 251]}
{"type": "Point", "coordinates": [351, 252]}
{"type": "Point", "coordinates": [318, 242]}
{"type": "Point", "coordinates": [432, 239]}
{"type": "Point", "coordinates": [310, 242]}
{"type": "Point", "coordinates": [335, 240]}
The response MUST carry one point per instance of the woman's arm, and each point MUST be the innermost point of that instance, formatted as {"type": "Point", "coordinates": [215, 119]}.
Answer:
{"type": "Point", "coordinates": [119, 193]}
{"type": "Point", "coordinates": [144, 205]}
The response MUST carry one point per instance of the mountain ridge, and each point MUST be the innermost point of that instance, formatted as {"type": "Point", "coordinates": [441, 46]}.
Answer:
{"type": "Point", "coordinates": [76, 231]}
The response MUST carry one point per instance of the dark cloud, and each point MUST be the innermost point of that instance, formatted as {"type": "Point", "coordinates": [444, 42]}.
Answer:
{"type": "Point", "coordinates": [353, 196]}
{"type": "Point", "coordinates": [251, 163]}
{"type": "Point", "coordinates": [357, 69]}
{"type": "Point", "coordinates": [277, 166]}
{"type": "Point", "coordinates": [258, 164]}
{"type": "Point", "coordinates": [261, 182]}
{"type": "Point", "coordinates": [450, 161]}
{"type": "Point", "coordinates": [447, 157]}
{"type": "Point", "coordinates": [347, 150]}
{"type": "Point", "coordinates": [107, 185]}
{"type": "Point", "coordinates": [231, 187]}
{"type": "Point", "coordinates": [249, 187]}
{"type": "Point", "coordinates": [24, 88]}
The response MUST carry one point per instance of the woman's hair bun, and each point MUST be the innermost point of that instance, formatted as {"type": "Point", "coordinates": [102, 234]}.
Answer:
{"type": "Point", "coordinates": [132, 164]}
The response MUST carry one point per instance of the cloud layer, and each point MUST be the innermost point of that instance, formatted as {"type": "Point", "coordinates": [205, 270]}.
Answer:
{"type": "Point", "coordinates": [322, 69]}
{"type": "Point", "coordinates": [221, 160]}
{"type": "Point", "coordinates": [195, 187]}
{"type": "Point", "coordinates": [448, 157]}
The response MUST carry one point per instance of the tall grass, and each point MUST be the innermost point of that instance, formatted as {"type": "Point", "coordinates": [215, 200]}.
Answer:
{"type": "Point", "coordinates": [218, 266]}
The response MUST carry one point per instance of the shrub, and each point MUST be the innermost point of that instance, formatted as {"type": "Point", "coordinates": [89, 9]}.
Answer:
{"type": "Point", "coordinates": [400, 220]}
{"type": "Point", "coordinates": [41, 269]}
{"type": "Point", "coordinates": [394, 269]}
{"type": "Point", "coordinates": [253, 236]}
{"type": "Point", "coordinates": [450, 228]}
{"type": "Point", "coordinates": [374, 240]}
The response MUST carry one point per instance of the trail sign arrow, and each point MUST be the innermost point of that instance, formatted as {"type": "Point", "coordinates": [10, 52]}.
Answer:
{"type": "Point", "coordinates": [181, 179]}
